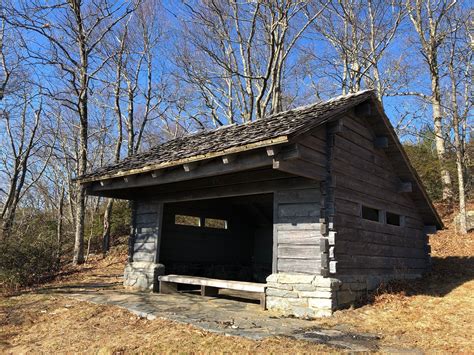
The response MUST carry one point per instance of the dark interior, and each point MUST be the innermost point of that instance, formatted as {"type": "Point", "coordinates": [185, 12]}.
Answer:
{"type": "Point", "coordinates": [226, 238]}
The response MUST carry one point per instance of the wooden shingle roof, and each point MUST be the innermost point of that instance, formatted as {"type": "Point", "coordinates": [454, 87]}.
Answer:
{"type": "Point", "coordinates": [272, 130]}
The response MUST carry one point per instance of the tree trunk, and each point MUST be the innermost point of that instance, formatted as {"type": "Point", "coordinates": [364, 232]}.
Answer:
{"type": "Point", "coordinates": [106, 230]}
{"type": "Point", "coordinates": [439, 134]}
{"type": "Point", "coordinates": [59, 229]}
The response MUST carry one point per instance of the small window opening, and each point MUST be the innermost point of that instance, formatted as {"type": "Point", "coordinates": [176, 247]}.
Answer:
{"type": "Point", "coordinates": [215, 223]}
{"type": "Point", "coordinates": [393, 219]}
{"type": "Point", "coordinates": [184, 220]}
{"type": "Point", "coordinates": [371, 214]}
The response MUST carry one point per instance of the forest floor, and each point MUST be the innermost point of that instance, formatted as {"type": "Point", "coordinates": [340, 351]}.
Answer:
{"type": "Point", "coordinates": [433, 314]}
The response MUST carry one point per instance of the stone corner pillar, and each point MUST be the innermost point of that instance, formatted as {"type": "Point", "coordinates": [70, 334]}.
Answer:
{"type": "Point", "coordinates": [302, 295]}
{"type": "Point", "coordinates": [143, 275]}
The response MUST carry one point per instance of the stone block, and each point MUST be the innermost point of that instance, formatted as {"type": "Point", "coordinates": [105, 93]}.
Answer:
{"type": "Point", "coordinates": [316, 294]}
{"type": "Point", "coordinates": [285, 304]}
{"type": "Point", "coordinates": [328, 282]}
{"type": "Point", "coordinates": [286, 287]}
{"type": "Point", "coordinates": [304, 287]}
{"type": "Point", "coordinates": [281, 293]}
{"type": "Point", "coordinates": [303, 312]}
{"type": "Point", "coordinates": [143, 275]}
{"type": "Point", "coordinates": [322, 303]}
{"type": "Point", "coordinates": [286, 278]}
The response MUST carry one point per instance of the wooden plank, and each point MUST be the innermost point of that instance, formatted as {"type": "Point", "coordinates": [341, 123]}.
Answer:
{"type": "Point", "coordinates": [246, 161]}
{"type": "Point", "coordinates": [345, 195]}
{"type": "Point", "coordinates": [368, 248]}
{"type": "Point", "coordinates": [376, 262]}
{"type": "Point", "coordinates": [300, 168]}
{"type": "Point", "coordinates": [381, 142]}
{"type": "Point", "coordinates": [204, 281]}
{"type": "Point", "coordinates": [299, 237]}
{"type": "Point", "coordinates": [168, 287]}
{"type": "Point", "coordinates": [362, 236]}
{"type": "Point", "coordinates": [308, 266]}
{"type": "Point", "coordinates": [250, 188]}
{"type": "Point", "coordinates": [298, 210]}
{"type": "Point", "coordinates": [309, 226]}
{"type": "Point", "coordinates": [405, 187]}
{"type": "Point", "coordinates": [300, 195]}
{"type": "Point", "coordinates": [208, 156]}
{"type": "Point", "coordinates": [299, 251]}
{"type": "Point", "coordinates": [313, 142]}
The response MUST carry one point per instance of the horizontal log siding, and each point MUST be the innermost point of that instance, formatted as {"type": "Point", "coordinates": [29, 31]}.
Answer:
{"type": "Point", "coordinates": [297, 231]}
{"type": "Point", "coordinates": [148, 215]}
{"type": "Point", "coordinates": [364, 176]}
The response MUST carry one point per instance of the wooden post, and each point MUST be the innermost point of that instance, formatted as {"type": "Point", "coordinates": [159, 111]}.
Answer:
{"type": "Point", "coordinates": [168, 287]}
{"type": "Point", "coordinates": [209, 291]}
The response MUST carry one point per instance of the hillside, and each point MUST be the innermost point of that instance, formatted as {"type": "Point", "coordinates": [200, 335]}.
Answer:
{"type": "Point", "coordinates": [432, 314]}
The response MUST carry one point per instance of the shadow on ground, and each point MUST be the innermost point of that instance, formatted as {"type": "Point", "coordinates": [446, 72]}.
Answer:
{"type": "Point", "coordinates": [447, 274]}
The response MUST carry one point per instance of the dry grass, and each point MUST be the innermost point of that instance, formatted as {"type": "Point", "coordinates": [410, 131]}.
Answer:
{"type": "Point", "coordinates": [39, 323]}
{"type": "Point", "coordinates": [434, 314]}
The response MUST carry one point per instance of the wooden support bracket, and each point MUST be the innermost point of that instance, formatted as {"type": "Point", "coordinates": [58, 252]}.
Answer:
{"type": "Point", "coordinates": [104, 182]}
{"type": "Point", "coordinates": [272, 150]}
{"type": "Point", "coordinates": [129, 178]}
{"type": "Point", "coordinates": [324, 245]}
{"type": "Point", "coordinates": [157, 173]}
{"type": "Point", "coordinates": [190, 166]}
{"type": "Point", "coordinates": [227, 159]}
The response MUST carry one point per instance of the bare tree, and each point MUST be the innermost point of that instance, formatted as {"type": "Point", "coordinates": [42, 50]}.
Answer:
{"type": "Point", "coordinates": [235, 54]}
{"type": "Point", "coordinates": [73, 30]}
{"type": "Point", "coordinates": [360, 34]}
{"type": "Point", "coordinates": [20, 119]}
{"type": "Point", "coordinates": [429, 20]}
{"type": "Point", "coordinates": [459, 62]}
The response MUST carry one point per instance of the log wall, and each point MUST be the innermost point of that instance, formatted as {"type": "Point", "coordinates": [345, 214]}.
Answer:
{"type": "Point", "coordinates": [363, 175]}
{"type": "Point", "coordinates": [297, 231]}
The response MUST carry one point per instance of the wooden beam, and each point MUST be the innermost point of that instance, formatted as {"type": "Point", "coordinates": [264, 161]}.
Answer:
{"type": "Point", "coordinates": [227, 159]}
{"type": "Point", "coordinates": [105, 182]}
{"type": "Point", "coordinates": [157, 173]}
{"type": "Point", "coordinates": [300, 167]}
{"type": "Point", "coordinates": [239, 149]}
{"type": "Point", "coordinates": [246, 161]}
{"type": "Point", "coordinates": [128, 179]}
{"type": "Point", "coordinates": [190, 166]}
{"type": "Point", "coordinates": [272, 150]}
{"type": "Point", "coordinates": [324, 245]}
{"type": "Point", "coordinates": [405, 187]}
{"type": "Point", "coordinates": [381, 142]}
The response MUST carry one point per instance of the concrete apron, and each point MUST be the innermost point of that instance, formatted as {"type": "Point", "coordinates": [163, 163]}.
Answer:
{"type": "Point", "coordinates": [223, 315]}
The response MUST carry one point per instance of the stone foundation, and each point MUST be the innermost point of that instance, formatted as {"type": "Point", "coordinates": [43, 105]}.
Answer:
{"type": "Point", "coordinates": [309, 296]}
{"type": "Point", "coordinates": [143, 275]}
{"type": "Point", "coordinates": [303, 296]}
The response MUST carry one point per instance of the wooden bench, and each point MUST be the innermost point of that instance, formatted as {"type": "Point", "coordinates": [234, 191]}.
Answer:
{"type": "Point", "coordinates": [210, 287]}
